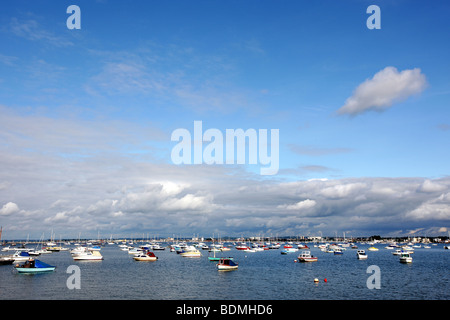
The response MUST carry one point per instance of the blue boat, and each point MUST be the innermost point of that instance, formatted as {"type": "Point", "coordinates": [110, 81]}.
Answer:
{"type": "Point", "coordinates": [34, 266]}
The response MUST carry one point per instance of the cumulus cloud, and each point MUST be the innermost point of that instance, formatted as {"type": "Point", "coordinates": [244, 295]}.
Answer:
{"type": "Point", "coordinates": [387, 87]}
{"type": "Point", "coordinates": [430, 186]}
{"type": "Point", "coordinates": [9, 208]}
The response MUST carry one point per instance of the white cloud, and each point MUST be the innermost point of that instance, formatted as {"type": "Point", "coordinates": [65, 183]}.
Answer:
{"type": "Point", "coordinates": [110, 192]}
{"type": "Point", "coordinates": [431, 186]}
{"type": "Point", "coordinates": [342, 190]}
{"type": "Point", "coordinates": [387, 87]}
{"type": "Point", "coordinates": [33, 30]}
{"type": "Point", "coordinates": [301, 205]}
{"type": "Point", "coordinates": [9, 208]}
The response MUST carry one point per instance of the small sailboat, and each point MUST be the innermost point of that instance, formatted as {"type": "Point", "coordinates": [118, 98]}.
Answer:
{"type": "Point", "coordinates": [226, 264]}
{"type": "Point", "coordinates": [214, 258]}
{"type": "Point", "coordinates": [361, 255]}
{"type": "Point", "coordinates": [34, 266]}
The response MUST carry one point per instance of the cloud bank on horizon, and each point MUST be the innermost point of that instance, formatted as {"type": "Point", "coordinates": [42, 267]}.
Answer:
{"type": "Point", "coordinates": [87, 115]}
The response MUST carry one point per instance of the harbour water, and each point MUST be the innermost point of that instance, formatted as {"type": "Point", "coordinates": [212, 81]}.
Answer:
{"type": "Point", "coordinates": [264, 275]}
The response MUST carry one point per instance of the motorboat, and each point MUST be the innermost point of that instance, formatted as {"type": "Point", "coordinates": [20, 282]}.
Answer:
{"type": "Point", "coordinates": [288, 250]}
{"type": "Point", "coordinates": [190, 252]}
{"type": "Point", "coordinates": [145, 256]}
{"type": "Point", "coordinates": [397, 252]}
{"type": "Point", "coordinates": [338, 251]}
{"type": "Point", "coordinates": [405, 258]}
{"type": "Point", "coordinates": [226, 264]}
{"type": "Point", "coordinates": [54, 248]}
{"type": "Point", "coordinates": [361, 255]}
{"type": "Point", "coordinates": [21, 256]}
{"type": "Point", "coordinates": [158, 247]}
{"type": "Point", "coordinates": [34, 266]}
{"type": "Point", "coordinates": [306, 256]}
{"type": "Point", "coordinates": [373, 249]}
{"type": "Point", "coordinates": [6, 260]}
{"type": "Point", "coordinates": [134, 251]}
{"type": "Point", "coordinates": [87, 255]}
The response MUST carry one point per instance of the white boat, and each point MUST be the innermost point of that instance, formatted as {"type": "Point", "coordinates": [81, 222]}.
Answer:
{"type": "Point", "coordinates": [289, 250]}
{"type": "Point", "coordinates": [397, 252]}
{"type": "Point", "coordinates": [405, 258]}
{"type": "Point", "coordinates": [87, 255]}
{"type": "Point", "coordinates": [78, 250]}
{"type": "Point", "coordinates": [190, 252]}
{"type": "Point", "coordinates": [135, 251]}
{"type": "Point", "coordinates": [145, 256]}
{"type": "Point", "coordinates": [306, 256]}
{"type": "Point", "coordinates": [361, 255]}
{"type": "Point", "coordinates": [408, 249]}
{"type": "Point", "coordinates": [21, 256]}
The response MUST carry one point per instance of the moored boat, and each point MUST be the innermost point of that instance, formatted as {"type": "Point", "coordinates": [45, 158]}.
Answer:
{"type": "Point", "coordinates": [361, 255]}
{"type": "Point", "coordinates": [34, 266]}
{"type": "Point", "coordinates": [226, 264]}
{"type": "Point", "coordinates": [145, 256]}
{"type": "Point", "coordinates": [6, 260]}
{"type": "Point", "coordinates": [288, 250]}
{"type": "Point", "coordinates": [190, 252]}
{"type": "Point", "coordinates": [306, 256]}
{"type": "Point", "coordinates": [87, 255]}
{"type": "Point", "coordinates": [405, 258]}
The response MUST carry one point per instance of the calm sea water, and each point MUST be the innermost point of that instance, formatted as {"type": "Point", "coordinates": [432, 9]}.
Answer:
{"type": "Point", "coordinates": [266, 275]}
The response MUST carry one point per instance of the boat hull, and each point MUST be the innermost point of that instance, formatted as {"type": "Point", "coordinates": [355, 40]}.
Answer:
{"type": "Point", "coordinates": [145, 258]}
{"type": "Point", "coordinates": [226, 268]}
{"type": "Point", "coordinates": [35, 270]}
{"type": "Point", "coordinates": [312, 259]}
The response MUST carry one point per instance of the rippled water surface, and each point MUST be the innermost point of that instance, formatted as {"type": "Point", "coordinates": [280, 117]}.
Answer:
{"type": "Point", "coordinates": [266, 275]}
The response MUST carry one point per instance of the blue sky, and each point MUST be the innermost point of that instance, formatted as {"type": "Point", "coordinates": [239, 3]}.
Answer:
{"type": "Point", "coordinates": [88, 114]}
